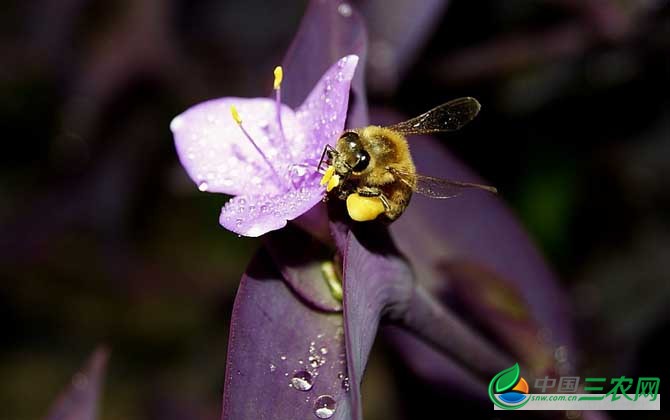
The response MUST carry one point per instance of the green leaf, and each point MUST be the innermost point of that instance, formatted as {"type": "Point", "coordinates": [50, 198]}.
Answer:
{"type": "Point", "coordinates": [507, 379]}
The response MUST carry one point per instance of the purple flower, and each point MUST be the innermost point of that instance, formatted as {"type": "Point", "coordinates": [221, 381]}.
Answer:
{"type": "Point", "coordinates": [265, 154]}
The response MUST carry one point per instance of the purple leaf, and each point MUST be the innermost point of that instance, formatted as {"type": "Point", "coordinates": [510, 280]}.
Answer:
{"type": "Point", "coordinates": [398, 31]}
{"type": "Point", "coordinates": [282, 354]}
{"type": "Point", "coordinates": [379, 284]}
{"type": "Point", "coordinates": [80, 400]}
{"type": "Point", "coordinates": [299, 257]}
{"type": "Point", "coordinates": [376, 280]}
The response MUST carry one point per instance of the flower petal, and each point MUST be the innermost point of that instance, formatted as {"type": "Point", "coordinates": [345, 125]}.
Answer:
{"type": "Point", "coordinates": [328, 31]}
{"type": "Point", "coordinates": [80, 400]}
{"type": "Point", "coordinates": [258, 214]}
{"type": "Point", "coordinates": [323, 113]}
{"type": "Point", "coordinates": [325, 35]}
{"type": "Point", "coordinates": [274, 337]}
{"type": "Point", "coordinates": [218, 156]}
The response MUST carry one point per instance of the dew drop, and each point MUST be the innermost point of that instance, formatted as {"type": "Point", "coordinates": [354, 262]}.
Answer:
{"type": "Point", "coordinates": [344, 9]}
{"type": "Point", "coordinates": [283, 357]}
{"type": "Point", "coordinates": [272, 367]}
{"type": "Point", "coordinates": [323, 350]}
{"type": "Point", "coordinates": [302, 380]}
{"type": "Point", "coordinates": [324, 407]}
{"type": "Point", "coordinates": [203, 186]}
{"type": "Point", "coordinates": [345, 384]}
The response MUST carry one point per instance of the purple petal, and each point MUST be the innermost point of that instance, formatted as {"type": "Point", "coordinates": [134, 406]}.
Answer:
{"type": "Point", "coordinates": [256, 215]}
{"type": "Point", "coordinates": [80, 400]}
{"type": "Point", "coordinates": [325, 35]}
{"type": "Point", "coordinates": [323, 113]}
{"type": "Point", "coordinates": [274, 338]}
{"type": "Point", "coordinates": [299, 257]}
{"type": "Point", "coordinates": [328, 31]}
{"type": "Point", "coordinates": [219, 158]}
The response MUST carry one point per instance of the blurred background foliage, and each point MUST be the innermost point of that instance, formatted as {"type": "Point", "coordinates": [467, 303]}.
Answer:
{"type": "Point", "coordinates": [103, 239]}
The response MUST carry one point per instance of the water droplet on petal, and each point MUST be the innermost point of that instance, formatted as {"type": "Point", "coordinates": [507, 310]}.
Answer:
{"type": "Point", "coordinates": [203, 186]}
{"type": "Point", "coordinates": [272, 367]}
{"type": "Point", "coordinates": [323, 350]}
{"type": "Point", "coordinates": [302, 380]}
{"type": "Point", "coordinates": [324, 407]}
{"type": "Point", "coordinates": [344, 9]}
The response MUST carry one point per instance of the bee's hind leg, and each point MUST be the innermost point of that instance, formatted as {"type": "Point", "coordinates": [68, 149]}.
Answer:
{"type": "Point", "coordinates": [374, 192]}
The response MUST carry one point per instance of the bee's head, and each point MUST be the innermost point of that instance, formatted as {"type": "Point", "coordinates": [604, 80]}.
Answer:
{"type": "Point", "coordinates": [349, 156]}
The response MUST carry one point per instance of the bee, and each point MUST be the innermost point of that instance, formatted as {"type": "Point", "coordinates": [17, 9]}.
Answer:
{"type": "Point", "coordinates": [371, 168]}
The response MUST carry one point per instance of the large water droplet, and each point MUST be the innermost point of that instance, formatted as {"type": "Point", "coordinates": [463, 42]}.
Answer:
{"type": "Point", "coordinates": [302, 380]}
{"type": "Point", "coordinates": [203, 186]}
{"type": "Point", "coordinates": [324, 407]}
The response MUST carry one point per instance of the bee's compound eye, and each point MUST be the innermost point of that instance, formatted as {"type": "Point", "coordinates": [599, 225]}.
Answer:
{"type": "Point", "coordinates": [352, 140]}
{"type": "Point", "coordinates": [363, 161]}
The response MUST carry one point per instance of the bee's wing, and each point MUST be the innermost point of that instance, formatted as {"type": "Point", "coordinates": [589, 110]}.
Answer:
{"type": "Point", "coordinates": [450, 116]}
{"type": "Point", "coordinates": [437, 187]}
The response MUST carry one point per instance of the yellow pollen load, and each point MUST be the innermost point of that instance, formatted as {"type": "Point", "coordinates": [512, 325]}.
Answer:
{"type": "Point", "coordinates": [279, 76]}
{"type": "Point", "coordinates": [235, 114]}
{"type": "Point", "coordinates": [364, 209]}
{"type": "Point", "coordinates": [326, 176]}
{"type": "Point", "coordinates": [333, 182]}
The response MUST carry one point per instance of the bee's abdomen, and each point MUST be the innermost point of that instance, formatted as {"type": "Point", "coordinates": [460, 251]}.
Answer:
{"type": "Point", "coordinates": [398, 195]}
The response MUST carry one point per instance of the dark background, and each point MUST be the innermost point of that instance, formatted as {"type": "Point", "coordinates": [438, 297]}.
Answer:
{"type": "Point", "coordinates": [103, 238]}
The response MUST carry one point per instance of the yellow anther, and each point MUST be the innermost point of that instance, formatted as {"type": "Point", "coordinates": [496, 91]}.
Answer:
{"type": "Point", "coordinates": [363, 209]}
{"type": "Point", "coordinates": [329, 174]}
{"type": "Point", "coordinates": [279, 76]}
{"type": "Point", "coordinates": [333, 182]}
{"type": "Point", "coordinates": [235, 114]}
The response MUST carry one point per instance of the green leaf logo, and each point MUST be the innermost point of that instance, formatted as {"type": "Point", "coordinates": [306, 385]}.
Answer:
{"type": "Point", "coordinates": [504, 382]}
{"type": "Point", "coordinates": [507, 379]}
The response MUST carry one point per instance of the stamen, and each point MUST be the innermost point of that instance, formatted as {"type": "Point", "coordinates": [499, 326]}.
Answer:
{"type": "Point", "coordinates": [279, 76]}
{"type": "Point", "coordinates": [327, 175]}
{"type": "Point", "coordinates": [238, 120]}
